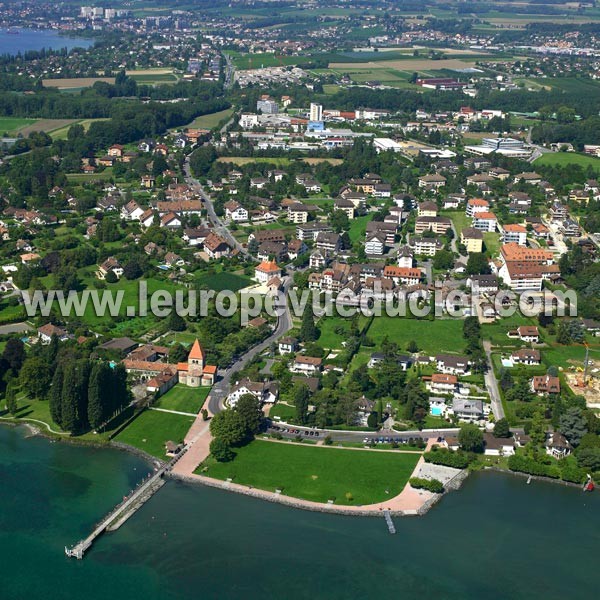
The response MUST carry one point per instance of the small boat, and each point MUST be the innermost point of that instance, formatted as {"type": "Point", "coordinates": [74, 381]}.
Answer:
{"type": "Point", "coordinates": [589, 486]}
{"type": "Point", "coordinates": [529, 480]}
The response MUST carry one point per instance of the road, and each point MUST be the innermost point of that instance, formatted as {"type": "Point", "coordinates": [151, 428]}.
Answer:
{"type": "Point", "coordinates": [491, 383]}
{"type": "Point", "coordinates": [360, 436]}
{"type": "Point", "coordinates": [217, 223]}
{"type": "Point", "coordinates": [220, 390]}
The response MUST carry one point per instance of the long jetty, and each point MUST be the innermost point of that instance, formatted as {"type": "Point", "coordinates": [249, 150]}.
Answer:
{"type": "Point", "coordinates": [125, 509]}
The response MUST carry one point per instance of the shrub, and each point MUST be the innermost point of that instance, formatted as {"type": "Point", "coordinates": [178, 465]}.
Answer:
{"type": "Point", "coordinates": [432, 485]}
{"type": "Point", "coordinates": [523, 464]}
{"type": "Point", "coordinates": [448, 458]}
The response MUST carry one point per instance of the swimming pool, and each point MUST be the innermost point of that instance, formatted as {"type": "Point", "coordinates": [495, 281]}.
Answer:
{"type": "Point", "coordinates": [436, 411]}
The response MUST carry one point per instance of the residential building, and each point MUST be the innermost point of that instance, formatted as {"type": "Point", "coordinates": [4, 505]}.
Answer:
{"type": "Point", "coordinates": [545, 384]}
{"type": "Point", "coordinates": [266, 271]}
{"type": "Point", "coordinates": [476, 205]}
{"type": "Point", "coordinates": [485, 221]}
{"type": "Point", "coordinates": [472, 239]}
{"type": "Point", "coordinates": [307, 365]}
{"type": "Point", "coordinates": [514, 233]}
{"type": "Point", "coordinates": [235, 211]}
{"type": "Point", "coordinates": [452, 364]}
{"type": "Point", "coordinates": [265, 392]}
{"type": "Point", "coordinates": [438, 225]}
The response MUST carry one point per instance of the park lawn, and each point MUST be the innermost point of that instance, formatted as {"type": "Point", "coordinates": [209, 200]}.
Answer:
{"type": "Point", "coordinates": [152, 429]}
{"type": "Point", "coordinates": [318, 474]}
{"type": "Point", "coordinates": [562, 159]}
{"type": "Point", "coordinates": [12, 125]}
{"type": "Point", "coordinates": [224, 281]}
{"type": "Point", "coordinates": [183, 399]}
{"type": "Point", "coordinates": [432, 337]}
{"type": "Point", "coordinates": [358, 227]}
{"type": "Point", "coordinates": [211, 120]}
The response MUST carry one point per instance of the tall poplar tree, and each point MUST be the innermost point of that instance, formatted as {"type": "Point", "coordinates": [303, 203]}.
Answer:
{"type": "Point", "coordinates": [55, 395]}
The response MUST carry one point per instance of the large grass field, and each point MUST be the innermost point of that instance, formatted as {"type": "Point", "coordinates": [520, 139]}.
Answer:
{"type": "Point", "coordinates": [432, 337]}
{"type": "Point", "coordinates": [330, 338]}
{"type": "Point", "coordinates": [152, 429]}
{"type": "Point", "coordinates": [225, 281]}
{"type": "Point", "coordinates": [211, 120]}
{"type": "Point", "coordinates": [562, 159]}
{"type": "Point", "coordinates": [317, 473]}
{"type": "Point", "coordinates": [12, 125]}
{"type": "Point", "coordinates": [183, 399]}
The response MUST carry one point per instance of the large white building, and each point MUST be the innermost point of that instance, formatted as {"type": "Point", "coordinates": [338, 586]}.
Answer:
{"type": "Point", "coordinates": [316, 112]}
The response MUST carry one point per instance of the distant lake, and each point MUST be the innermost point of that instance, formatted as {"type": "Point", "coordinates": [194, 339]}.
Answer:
{"type": "Point", "coordinates": [36, 39]}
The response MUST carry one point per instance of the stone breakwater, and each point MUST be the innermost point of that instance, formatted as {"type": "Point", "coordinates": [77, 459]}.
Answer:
{"type": "Point", "coordinates": [374, 510]}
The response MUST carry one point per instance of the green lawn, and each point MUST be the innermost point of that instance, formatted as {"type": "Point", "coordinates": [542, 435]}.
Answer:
{"type": "Point", "coordinates": [330, 338]}
{"type": "Point", "coordinates": [459, 219]}
{"type": "Point", "coordinates": [358, 227]}
{"type": "Point", "coordinates": [569, 356]}
{"type": "Point", "coordinates": [283, 411]}
{"type": "Point", "coordinates": [224, 281]}
{"type": "Point", "coordinates": [432, 337]}
{"type": "Point", "coordinates": [497, 332]}
{"type": "Point", "coordinates": [85, 177]}
{"type": "Point", "coordinates": [316, 473]}
{"type": "Point", "coordinates": [183, 399]}
{"type": "Point", "coordinates": [152, 429]}
{"type": "Point", "coordinates": [11, 125]}
{"type": "Point", "coordinates": [211, 120]}
{"type": "Point", "coordinates": [562, 159]}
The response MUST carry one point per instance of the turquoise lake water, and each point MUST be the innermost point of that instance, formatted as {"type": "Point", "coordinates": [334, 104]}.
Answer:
{"type": "Point", "coordinates": [495, 538]}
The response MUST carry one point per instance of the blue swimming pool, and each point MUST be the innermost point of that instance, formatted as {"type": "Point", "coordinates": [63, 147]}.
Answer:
{"type": "Point", "coordinates": [436, 411]}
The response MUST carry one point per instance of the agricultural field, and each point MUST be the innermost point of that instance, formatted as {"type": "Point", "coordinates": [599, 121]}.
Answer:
{"type": "Point", "coordinates": [246, 160]}
{"type": "Point", "coordinates": [152, 429]}
{"type": "Point", "coordinates": [13, 125]}
{"type": "Point", "coordinates": [75, 83]}
{"type": "Point", "coordinates": [319, 474]}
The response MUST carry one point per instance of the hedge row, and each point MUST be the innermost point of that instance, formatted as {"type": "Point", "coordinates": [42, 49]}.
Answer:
{"type": "Point", "coordinates": [432, 485]}
{"type": "Point", "coordinates": [448, 458]}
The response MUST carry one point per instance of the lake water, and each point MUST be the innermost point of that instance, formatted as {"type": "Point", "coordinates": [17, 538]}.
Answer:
{"type": "Point", "coordinates": [34, 39]}
{"type": "Point", "coordinates": [495, 538]}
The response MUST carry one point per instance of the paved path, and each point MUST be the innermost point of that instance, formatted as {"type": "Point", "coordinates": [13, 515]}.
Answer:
{"type": "Point", "coordinates": [14, 328]}
{"type": "Point", "coordinates": [491, 383]}
{"type": "Point", "coordinates": [409, 501]}
{"type": "Point", "coordinates": [173, 412]}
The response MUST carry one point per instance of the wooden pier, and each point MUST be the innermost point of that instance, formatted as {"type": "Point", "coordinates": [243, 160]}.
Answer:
{"type": "Point", "coordinates": [388, 520]}
{"type": "Point", "coordinates": [125, 509]}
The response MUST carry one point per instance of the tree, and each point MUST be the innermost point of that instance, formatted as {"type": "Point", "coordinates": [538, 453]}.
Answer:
{"type": "Point", "coordinates": [573, 425]}
{"type": "Point", "coordinates": [502, 428]}
{"type": "Point", "coordinates": [176, 322]}
{"type": "Point", "coordinates": [249, 408]}
{"type": "Point", "coordinates": [470, 438]}
{"type": "Point", "coordinates": [133, 269]}
{"type": "Point", "coordinates": [412, 347]}
{"type": "Point", "coordinates": [373, 420]}
{"type": "Point", "coordinates": [506, 380]}
{"type": "Point", "coordinates": [537, 430]}
{"type": "Point", "coordinates": [14, 354]}
{"type": "Point", "coordinates": [308, 329]}
{"type": "Point", "coordinates": [55, 395]}
{"type": "Point", "coordinates": [35, 377]}
{"type": "Point", "coordinates": [478, 264]}
{"type": "Point", "coordinates": [228, 425]}
{"type": "Point", "coordinates": [177, 354]}
{"type": "Point", "coordinates": [11, 399]}
{"type": "Point", "coordinates": [443, 260]}
{"type": "Point", "coordinates": [110, 277]}
{"type": "Point", "coordinates": [301, 395]}
{"type": "Point", "coordinates": [221, 450]}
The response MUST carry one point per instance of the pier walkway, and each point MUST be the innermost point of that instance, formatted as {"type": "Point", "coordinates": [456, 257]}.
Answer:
{"type": "Point", "coordinates": [127, 508]}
